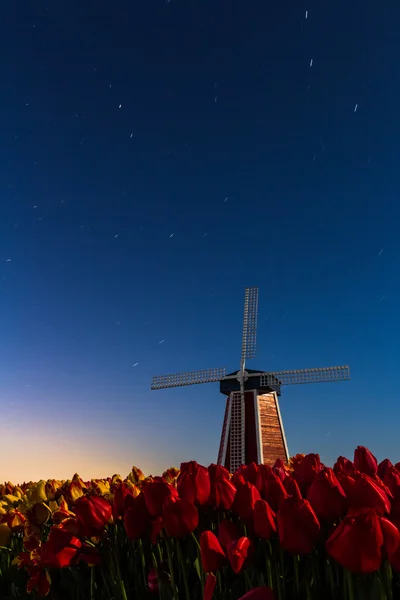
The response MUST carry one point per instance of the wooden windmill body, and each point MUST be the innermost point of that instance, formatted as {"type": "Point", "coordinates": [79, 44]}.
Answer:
{"type": "Point", "coordinates": [252, 428]}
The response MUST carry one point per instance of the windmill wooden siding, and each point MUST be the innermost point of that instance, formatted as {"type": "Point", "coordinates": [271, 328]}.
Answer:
{"type": "Point", "coordinates": [263, 431]}
{"type": "Point", "coordinates": [272, 436]}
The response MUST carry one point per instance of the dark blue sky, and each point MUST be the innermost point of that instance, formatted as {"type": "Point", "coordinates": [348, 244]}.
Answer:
{"type": "Point", "coordinates": [155, 159]}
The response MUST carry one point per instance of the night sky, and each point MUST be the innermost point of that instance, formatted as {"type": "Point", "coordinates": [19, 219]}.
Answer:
{"type": "Point", "coordinates": [158, 157]}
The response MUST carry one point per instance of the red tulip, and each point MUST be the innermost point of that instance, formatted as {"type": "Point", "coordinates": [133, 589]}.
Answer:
{"type": "Point", "coordinates": [365, 461]}
{"type": "Point", "coordinates": [209, 586]}
{"type": "Point", "coordinates": [245, 499]}
{"type": "Point", "coordinates": [264, 520]}
{"type": "Point", "coordinates": [251, 473]}
{"type": "Point", "coordinates": [212, 555]}
{"type": "Point", "coordinates": [88, 555]}
{"type": "Point", "coordinates": [343, 466]}
{"type": "Point", "coordinates": [180, 518]}
{"type": "Point", "coordinates": [273, 490]}
{"type": "Point", "coordinates": [361, 540]}
{"type": "Point", "coordinates": [228, 533]}
{"type": "Point", "coordinates": [155, 493]}
{"type": "Point", "coordinates": [194, 483]}
{"type": "Point", "coordinates": [137, 518]}
{"type": "Point", "coordinates": [238, 553]}
{"type": "Point", "coordinates": [298, 525]}
{"type": "Point", "coordinates": [327, 496]}
{"type": "Point", "coordinates": [259, 593]}
{"type": "Point", "coordinates": [383, 467]}
{"type": "Point", "coordinates": [363, 492]}
{"type": "Point", "coordinates": [93, 513]}
{"type": "Point", "coordinates": [291, 486]}
{"type": "Point", "coordinates": [280, 469]}
{"type": "Point", "coordinates": [152, 581]}
{"type": "Point", "coordinates": [222, 491]}
{"type": "Point", "coordinates": [305, 471]}
{"type": "Point", "coordinates": [391, 478]}
{"type": "Point", "coordinates": [39, 580]}
{"type": "Point", "coordinates": [121, 491]}
{"type": "Point", "coordinates": [60, 548]}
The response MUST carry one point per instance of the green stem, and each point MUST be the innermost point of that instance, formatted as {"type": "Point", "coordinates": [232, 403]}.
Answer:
{"type": "Point", "coordinates": [171, 567]}
{"type": "Point", "coordinates": [184, 569]}
{"type": "Point", "coordinates": [349, 584]}
{"type": "Point", "coordinates": [296, 573]}
{"type": "Point", "coordinates": [269, 572]}
{"type": "Point", "coordinates": [92, 583]}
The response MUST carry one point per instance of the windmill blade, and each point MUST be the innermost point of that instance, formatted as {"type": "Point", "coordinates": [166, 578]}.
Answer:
{"type": "Point", "coordinates": [319, 375]}
{"type": "Point", "coordinates": [250, 323]}
{"type": "Point", "coordinates": [188, 378]}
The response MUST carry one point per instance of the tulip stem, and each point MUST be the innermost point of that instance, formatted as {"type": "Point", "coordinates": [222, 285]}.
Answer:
{"type": "Point", "coordinates": [349, 584]}
{"type": "Point", "coordinates": [171, 566]}
{"type": "Point", "coordinates": [184, 569]}
{"type": "Point", "coordinates": [91, 583]}
{"type": "Point", "coordinates": [296, 573]}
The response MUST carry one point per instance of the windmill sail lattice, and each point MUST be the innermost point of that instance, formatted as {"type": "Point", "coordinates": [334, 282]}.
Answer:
{"type": "Point", "coordinates": [252, 427]}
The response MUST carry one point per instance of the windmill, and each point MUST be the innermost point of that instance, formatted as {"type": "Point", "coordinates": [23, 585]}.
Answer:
{"type": "Point", "coordinates": [252, 428]}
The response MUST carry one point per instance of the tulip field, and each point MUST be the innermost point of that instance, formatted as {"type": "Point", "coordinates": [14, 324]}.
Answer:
{"type": "Point", "coordinates": [296, 531]}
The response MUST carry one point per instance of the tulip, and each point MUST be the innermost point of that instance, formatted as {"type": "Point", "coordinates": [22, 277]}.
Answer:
{"type": "Point", "coordinates": [32, 536]}
{"type": "Point", "coordinates": [51, 488]}
{"type": "Point", "coordinates": [155, 529]}
{"type": "Point", "coordinates": [137, 518]}
{"type": "Point", "coordinates": [259, 593]}
{"type": "Point", "coordinates": [391, 478]}
{"type": "Point", "coordinates": [180, 517]}
{"type": "Point", "coordinates": [120, 498]}
{"type": "Point", "coordinates": [171, 475]}
{"type": "Point", "coordinates": [60, 548]}
{"type": "Point", "coordinates": [13, 518]}
{"type": "Point", "coordinates": [245, 499]}
{"type": "Point", "coordinates": [365, 461]}
{"type": "Point", "coordinates": [39, 580]}
{"type": "Point", "coordinates": [136, 476]}
{"type": "Point", "coordinates": [298, 525]}
{"type": "Point", "coordinates": [74, 527]}
{"type": "Point", "coordinates": [264, 520]}
{"type": "Point", "coordinates": [155, 493]}
{"type": "Point", "coordinates": [228, 533]}
{"type": "Point", "coordinates": [361, 540]}
{"type": "Point", "coordinates": [88, 555]}
{"type": "Point", "coordinates": [280, 469]}
{"type": "Point", "coordinates": [37, 493]}
{"type": "Point", "coordinates": [304, 471]}
{"type": "Point", "coordinates": [39, 513]}
{"type": "Point", "coordinates": [212, 555]}
{"type": "Point", "coordinates": [273, 490]}
{"type": "Point", "coordinates": [250, 473]}
{"type": "Point", "coordinates": [94, 513]}
{"type": "Point", "coordinates": [194, 483]}
{"type": "Point", "coordinates": [236, 546]}
{"type": "Point", "coordinates": [222, 491]}
{"type": "Point", "coordinates": [363, 492]}
{"type": "Point", "coordinates": [291, 486]}
{"type": "Point", "coordinates": [5, 534]}
{"type": "Point", "coordinates": [152, 581]}
{"type": "Point", "coordinates": [209, 587]}
{"type": "Point", "coordinates": [327, 496]}
{"type": "Point", "coordinates": [238, 553]}
{"type": "Point", "coordinates": [74, 490]}
{"type": "Point", "coordinates": [343, 466]}
{"type": "Point", "coordinates": [100, 487]}
{"type": "Point", "coordinates": [62, 511]}
{"type": "Point", "coordinates": [383, 467]}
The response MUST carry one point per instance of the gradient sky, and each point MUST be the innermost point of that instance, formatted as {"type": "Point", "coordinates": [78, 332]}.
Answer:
{"type": "Point", "coordinates": [158, 157]}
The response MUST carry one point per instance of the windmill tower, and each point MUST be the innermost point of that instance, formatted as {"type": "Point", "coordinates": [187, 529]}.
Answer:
{"type": "Point", "coordinates": [252, 428]}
